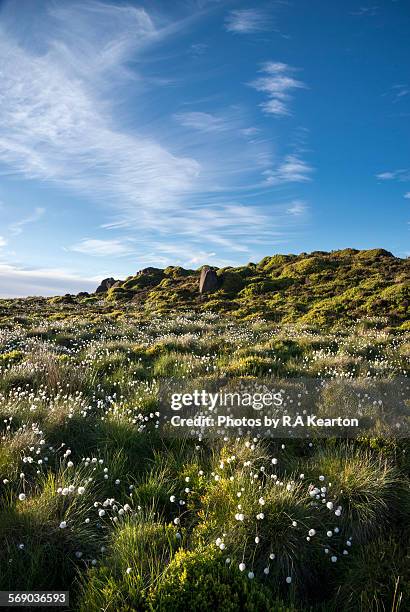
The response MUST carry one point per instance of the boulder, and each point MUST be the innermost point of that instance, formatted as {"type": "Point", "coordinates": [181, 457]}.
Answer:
{"type": "Point", "coordinates": [149, 270]}
{"type": "Point", "coordinates": [208, 281]}
{"type": "Point", "coordinates": [106, 284]}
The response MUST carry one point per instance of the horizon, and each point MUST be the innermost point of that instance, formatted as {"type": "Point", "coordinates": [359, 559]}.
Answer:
{"type": "Point", "coordinates": [136, 134]}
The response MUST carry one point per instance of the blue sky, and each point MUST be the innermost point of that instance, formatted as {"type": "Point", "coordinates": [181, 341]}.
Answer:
{"type": "Point", "coordinates": [199, 131]}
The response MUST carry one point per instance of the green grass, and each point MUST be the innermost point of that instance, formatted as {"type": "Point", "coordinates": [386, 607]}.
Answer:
{"type": "Point", "coordinates": [95, 500]}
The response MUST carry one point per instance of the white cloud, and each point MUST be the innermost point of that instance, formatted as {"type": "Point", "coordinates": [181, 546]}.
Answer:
{"type": "Point", "coordinates": [401, 175]}
{"type": "Point", "coordinates": [297, 208]}
{"type": "Point", "coordinates": [407, 195]}
{"type": "Point", "coordinates": [247, 21]}
{"type": "Point", "coordinates": [58, 119]}
{"type": "Point", "coordinates": [250, 131]}
{"type": "Point", "coordinates": [3, 242]}
{"type": "Point", "coordinates": [19, 282]}
{"type": "Point", "coordinates": [59, 122]}
{"type": "Point", "coordinates": [102, 248]}
{"type": "Point", "coordinates": [275, 107]}
{"type": "Point", "coordinates": [386, 176]}
{"type": "Point", "coordinates": [277, 83]}
{"type": "Point", "coordinates": [292, 170]}
{"type": "Point", "coordinates": [16, 228]}
{"type": "Point", "coordinates": [204, 122]}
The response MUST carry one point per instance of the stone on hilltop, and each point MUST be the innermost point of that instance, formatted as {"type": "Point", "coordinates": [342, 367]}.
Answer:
{"type": "Point", "coordinates": [150, 270]}
{"type": "Point", "coordinates": [208, 281]}
{"type": "Point", "coordinates": [106, 284]}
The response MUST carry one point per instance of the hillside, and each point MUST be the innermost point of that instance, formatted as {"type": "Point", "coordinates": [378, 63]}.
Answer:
{"type": "Point", "coordinates": [315, 288]}
{"type": "Point", "coordinates": [141, 518]}
{"type": "Point", "coordinates": [319, 288]}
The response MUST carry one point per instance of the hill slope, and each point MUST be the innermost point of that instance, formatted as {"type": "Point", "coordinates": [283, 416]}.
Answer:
{"type": "Point", "coordinates": [316, 288]}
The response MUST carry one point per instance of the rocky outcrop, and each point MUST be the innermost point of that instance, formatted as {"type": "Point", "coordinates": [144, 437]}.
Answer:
{"type": "Point", "coordinates": [208, 281]}
{"type": "Point", "coordinates": [106, 284]}
{"type": "Point", "coordinates": [281, 287]}
{"type": "Point", "coordinates": [148, 277]}
{"type": "Point", "coordinates": [150, 270]}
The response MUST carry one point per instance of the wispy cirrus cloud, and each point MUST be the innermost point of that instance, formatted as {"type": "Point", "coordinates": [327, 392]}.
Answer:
{"type": "Point", "coordinates": [17, 227]}
{"type": "Point", "coordinates": [297, 208]}
{"type": "Point", "coordinates": [247, 21]}
{"type": "Point", "coordinates": [58, 119]}
{"type": "Point", "coordinates": [204, 122]}
{"type": "Point", "coordinates": [277, 82]}
{"type": "Point", "coordinates": [103, 248]}
{"type": "Point", "coordinates": [401, 176]}
{"type": "Point", "coordinates": [231, 225]}
{"type": "Point", "coordinates": [397, 175]}
{"type": "Point", "coordinates": [293, 169]}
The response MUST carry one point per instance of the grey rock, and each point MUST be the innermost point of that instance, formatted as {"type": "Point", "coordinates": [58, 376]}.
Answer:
{"type": "Point", "coordinates": [208, 281]}
{"type": "Point", "coordinates": [149, 270]}
{"type": "Point", "coordinates": [106, 284]}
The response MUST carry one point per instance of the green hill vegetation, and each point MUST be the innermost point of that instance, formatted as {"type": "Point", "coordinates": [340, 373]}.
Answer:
{"type": "Point", "coordinates": [319, 289]}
